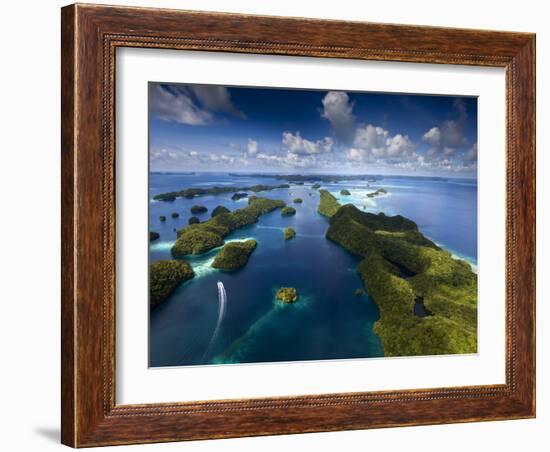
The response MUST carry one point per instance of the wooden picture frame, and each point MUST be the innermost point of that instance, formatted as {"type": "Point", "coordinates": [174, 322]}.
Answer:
{"type": "Point", "coordinates": [90, 36]}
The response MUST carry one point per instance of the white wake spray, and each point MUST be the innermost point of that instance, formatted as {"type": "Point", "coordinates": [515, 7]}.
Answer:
{"type": "Point", "coordinates": [222, 301]}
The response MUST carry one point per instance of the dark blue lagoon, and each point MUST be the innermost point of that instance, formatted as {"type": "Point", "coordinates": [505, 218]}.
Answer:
{"type": "Point", "coordinates": [330, 320]}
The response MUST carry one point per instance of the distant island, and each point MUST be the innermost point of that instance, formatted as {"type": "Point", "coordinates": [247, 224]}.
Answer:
{"type": "Point", "coordinates": [178, 173]}
{"type": "Point", "coordinates": [333, 177]}
{"type": "Point", "coordinates": [299, 179]}
{"type": "Point", "coordinates": [380, 191]}
{"type": "Point", "coordinates": [190, 193]}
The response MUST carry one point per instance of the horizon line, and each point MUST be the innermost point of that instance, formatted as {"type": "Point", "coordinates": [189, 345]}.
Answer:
{"type": "Point", "coordinates": [256, 173]}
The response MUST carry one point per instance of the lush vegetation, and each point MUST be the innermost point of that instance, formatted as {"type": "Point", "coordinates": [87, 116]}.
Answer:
{"type": "Point", "coordinates": [164, 277]}
{"type": "Point", "coordinates": [316, 186]}
{"type": "Point", "coordinates": [153, 236]}
{"type": "Point", "coordinates": [287, 295]}
{"type": "Point", "coordinates": [190, 193]}
{"type": "Point", "coordinates": [328, 204]}
{"type": "Point", "coordinates": [162, 218]}
{"type": "Point", "coordinates": [220, 209]}
{"type": "Point", "coordinates": [196, 241]}
{"type": "Point", "coordinates": [289, 233]}
{"type": "Point", "coordinates": [392, 246]}
{"type": "Point", "coordinates": [298, 201]}
{"type": "Point", "coordinates": [196, 209]}
{"type": "Point", "coordinates": [199, 238]}
{"type": "Point", "coordinates": [238, 196]}
{"type": "Point", "coordinates": [288, 211]}
{"type": "Point", "coordinates": [194, 220]}
{"type": "Point", "coordinates": [234, 255]}
{"type": "Point", "coordinates": [345, 192]}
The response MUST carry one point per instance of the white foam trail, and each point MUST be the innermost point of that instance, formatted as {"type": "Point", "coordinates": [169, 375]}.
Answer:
{"type": "Point", "coordinates": [222, 301]}
{"type": "Point", "coordinates": [161, 246]}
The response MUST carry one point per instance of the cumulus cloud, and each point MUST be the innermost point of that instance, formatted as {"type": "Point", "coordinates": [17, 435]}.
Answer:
{"type": "Point", "coordinates": [295, 144]}
{"type": "Point", "coordinates": [170, 159]}
{"type": "Point", "coordinates": [290, 160]}
{"type": "Point", "coordinates": [372, 144]}
{"type": "Point", "coordinates": [444, 140]}
{"type": "Point", "coordinates": [194, 105]}
{"type": "Point", "coordinates": [338, 110]}
{"type": "Point", "coordinates": [252, 147]}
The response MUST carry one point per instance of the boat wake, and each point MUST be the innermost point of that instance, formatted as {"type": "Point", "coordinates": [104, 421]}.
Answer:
{"type": "Point", "coordinates": [222, 301]}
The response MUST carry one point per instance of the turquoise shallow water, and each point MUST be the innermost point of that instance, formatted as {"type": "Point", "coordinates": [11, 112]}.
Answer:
{"type": "Point", "coordinates": [328, 321]}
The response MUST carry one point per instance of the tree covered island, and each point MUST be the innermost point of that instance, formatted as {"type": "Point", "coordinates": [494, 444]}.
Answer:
{"type": "Point", "coordinates": [234, 255]}
{"type": "Point", "coordinates": [401, 267]}
{"type": "Point", "coordinates": [190, 193]}
{"type": "Point", "coordinates": [201, 237]}
{"type": "Point", "coordinates": [165, 277]}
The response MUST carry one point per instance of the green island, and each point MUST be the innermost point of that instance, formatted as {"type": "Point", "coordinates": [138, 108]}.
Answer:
{"type": "Point", "coordinates": [237, 196]}
{"type": "Point", "coordinates": [298, 201]}
{"type": "Point", "coordinates": [288, 211]}
{"type": "Point", "coordinates": [153, 236]}
{"type": "Point", "coordinates": [193, 220]}
{"type": "Point", "coordinates": [220, 209]}
{"type": "Point", "coordinates": [328, 205]}
{"type": "Point", "coordinates": [164, 277]}
{"type": "Point", "coordinates": [289, 233]}
{"type": "Point", "coordinates": [359, 292]}
{"type": "Point", "coordinates": [316, 186]}
{"type": "Point", "coordinates": [400, 269]}
{"type": "Point", "coordinates": [380, 191]}
{"type": "Point", "coordinates": [345, 192]}
{"type": "Point", "coordinates": [175, 215]}
{"type": "Point", "coordinates": [287, 295]}
{"type": "Point", "coordinates": [234, 255]}
{"type": "Point", "coordinates": [198, 209]}
{"type": "Point", "coordinates": [201, 237]}
{"type": "Point", "coordinates": [190, 193]}
{"type": "Point", "coordinates": [162, 218]}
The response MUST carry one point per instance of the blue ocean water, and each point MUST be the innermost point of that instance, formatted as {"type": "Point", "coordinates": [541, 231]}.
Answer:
{"type": "Point", "coordinates": [328, 321]}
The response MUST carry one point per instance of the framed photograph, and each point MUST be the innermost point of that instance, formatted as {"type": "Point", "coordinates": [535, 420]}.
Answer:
{"type": "Point", "coordinates": [281, 225]}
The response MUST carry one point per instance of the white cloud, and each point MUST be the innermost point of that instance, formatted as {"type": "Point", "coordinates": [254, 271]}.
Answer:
{"type": "Point", "coordinates": [295, 144]}
{"type": "Point", "coordinates": [338, 110]}
{"type": "Point", "coordinates": [444, 140]}
{"type": "Point", "coordinates": [432, 136]}
{"type": "Point", "coordinates": [290, 160]}
{"type": "Point", "coordinates": [372, 144]}
{"type": "Point", "coordinates": [193, 105]}
{"type": "Point", "coordinates": [252, 147]}
{"type": "Point", "coordinates": [173, 104]}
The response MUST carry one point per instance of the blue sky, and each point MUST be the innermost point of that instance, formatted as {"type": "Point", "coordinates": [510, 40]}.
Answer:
{"type": "Point", "coordinates": [216, 128]}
